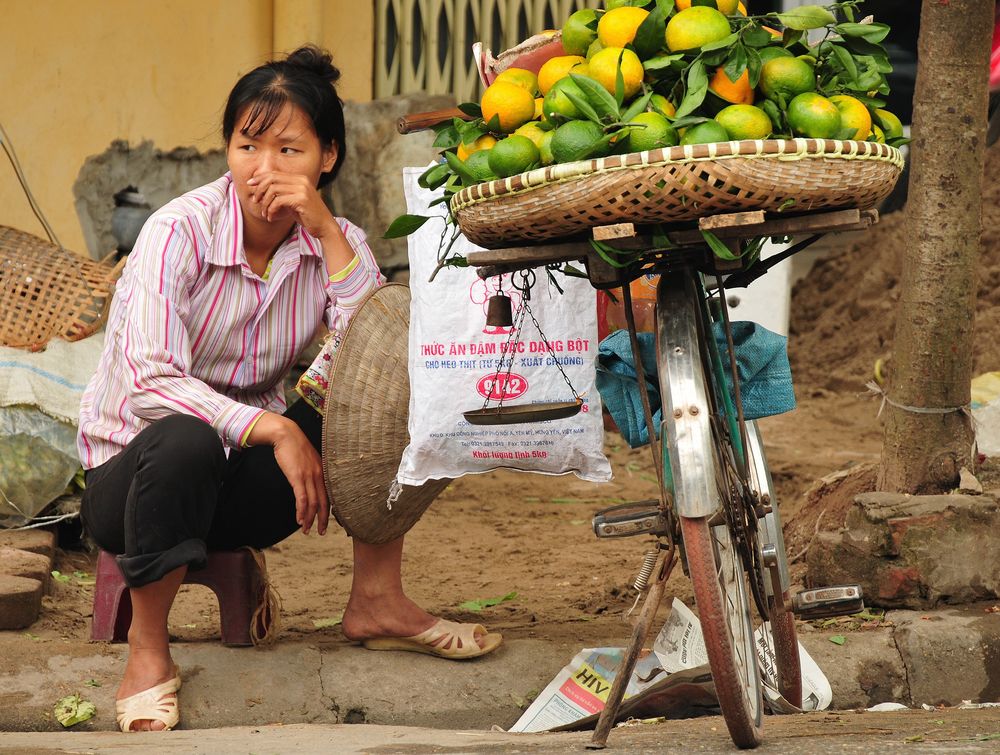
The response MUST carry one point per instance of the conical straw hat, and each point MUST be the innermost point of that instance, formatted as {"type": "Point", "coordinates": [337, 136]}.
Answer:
{"type": "Point", "coordinates": [364, 426]}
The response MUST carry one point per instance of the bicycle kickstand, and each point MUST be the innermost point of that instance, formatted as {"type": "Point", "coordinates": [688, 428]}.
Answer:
{"type": "Point", "coordinates": [640, 633]}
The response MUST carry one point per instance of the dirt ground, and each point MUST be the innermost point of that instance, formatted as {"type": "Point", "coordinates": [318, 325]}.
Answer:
{"type": "Point", "coordinates": [492, 535]}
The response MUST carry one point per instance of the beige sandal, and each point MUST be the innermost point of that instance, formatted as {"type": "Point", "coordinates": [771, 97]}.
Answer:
{"type": "Point", "coordinates": [153, 704]}
{"type": "Point", "coordinates": [444, 639]}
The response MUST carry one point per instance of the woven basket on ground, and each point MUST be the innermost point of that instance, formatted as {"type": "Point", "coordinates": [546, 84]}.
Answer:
{"type": "Point", "coordinates": [365, 422]}
{"type": "Point", "coordinates": [677, 184]}
{"type": "Point", "coordinates": [47, 292]}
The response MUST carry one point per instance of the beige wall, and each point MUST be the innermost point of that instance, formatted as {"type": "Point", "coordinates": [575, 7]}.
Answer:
{"type": "Point", "coordinates": [77, 74]}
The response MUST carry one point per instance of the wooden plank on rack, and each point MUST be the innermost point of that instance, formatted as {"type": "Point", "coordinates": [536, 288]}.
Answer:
{"type": "Point", "coordinates": [530, 256]}
{"type": "Point", "coordinates": [821, 222]}
{"type": "Point", "coordinates": [617, 231]}
{"type": "Point", "coordinates": [731, 220]}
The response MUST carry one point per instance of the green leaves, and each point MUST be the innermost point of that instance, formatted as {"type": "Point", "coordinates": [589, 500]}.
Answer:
{"type": "Point", "coordinates": [806, 17]}
{"type": "Point", "coordinates": [478, 605]}
{"type": "Point", "coordinates": [73, 709]}
{"type": "Point", "coordinates": [649, 36]}
{"type": "Point", "coordinates": [719, 247]}
{"type": "Point", "coordinates": [697, 88]}
{"type": "Point", "coordinates": [873, 33]}
{"type": "Point", "coordinates": [330, 622]}
{"type": "Point", "coordinates": [404, 225]}
{"type": "Point", "coordinates": [459, 167]}
{"type": "Point", "coordinates": [601, 105]}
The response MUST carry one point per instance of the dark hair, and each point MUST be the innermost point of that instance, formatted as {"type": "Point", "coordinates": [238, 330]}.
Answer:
{"type": "Point", "coordinates": [306, 78]}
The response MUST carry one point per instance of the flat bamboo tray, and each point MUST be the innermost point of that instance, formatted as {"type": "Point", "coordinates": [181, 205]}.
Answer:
{"type": "Point", "coordinates": [677, 184]}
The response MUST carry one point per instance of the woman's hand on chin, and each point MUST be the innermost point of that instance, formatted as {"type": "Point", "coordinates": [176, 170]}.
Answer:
{"type": "Point", "coordinates": [277, 195]}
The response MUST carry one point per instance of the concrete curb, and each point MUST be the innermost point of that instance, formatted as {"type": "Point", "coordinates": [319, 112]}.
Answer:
{"type": "Point", "coordinates": [943, 656]}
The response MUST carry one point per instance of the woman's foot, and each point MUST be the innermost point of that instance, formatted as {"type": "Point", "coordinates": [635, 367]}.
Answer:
{"type": "Point", "coordinates": [378, 609]}
{"type": "Point", "coordinates": [398, 618]}
{"type": "Point", "coordinates": [147, 668]}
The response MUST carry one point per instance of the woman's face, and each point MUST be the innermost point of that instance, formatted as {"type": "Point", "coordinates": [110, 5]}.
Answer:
{"type": "Point", "coordinates": [289, 146]}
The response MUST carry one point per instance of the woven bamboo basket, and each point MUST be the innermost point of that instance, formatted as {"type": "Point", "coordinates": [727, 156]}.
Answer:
{"type": "Point", "coordinates": [677, 184]}
{"type": "Point", "coordinates": [47, 292]}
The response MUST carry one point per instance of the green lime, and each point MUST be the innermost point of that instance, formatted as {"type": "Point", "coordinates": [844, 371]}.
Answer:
{"type": "Point", "coordinates": [652, 131]}
{"type": "Point", "coordinates": [704, 133]}
{"type": "Point", "coordinates": [478, 164]}
{"type": "Point", "coordinates": [579, 31]}
{"type": "Point", "coordinates": [771, 52]}
{"type": "Point", "coordinates": [513, 155]}
{"type": "Point", "coordinates": [545, 148]}
{"type": "Point", "coordinates": [557, 107]}
{"type": "Point", "coordinates": [578, 140]}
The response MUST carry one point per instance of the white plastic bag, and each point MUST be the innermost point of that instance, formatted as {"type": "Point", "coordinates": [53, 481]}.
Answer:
{"type": "Point", "coordinates": [453, 368]}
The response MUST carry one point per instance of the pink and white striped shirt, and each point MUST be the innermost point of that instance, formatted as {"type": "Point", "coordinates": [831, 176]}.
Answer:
{"type": "Point", "coordinates": [193, 330]}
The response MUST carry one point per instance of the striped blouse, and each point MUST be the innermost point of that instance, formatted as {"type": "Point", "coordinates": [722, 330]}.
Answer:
{"type": "Point", "coordinates": [193, 330]}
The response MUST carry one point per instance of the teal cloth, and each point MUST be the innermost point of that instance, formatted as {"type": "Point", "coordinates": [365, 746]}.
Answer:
{"type": "Point", "coordinates": [761, 364]}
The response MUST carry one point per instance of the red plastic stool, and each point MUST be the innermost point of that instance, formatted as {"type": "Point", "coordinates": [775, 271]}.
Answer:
{"type": "Point", "coordinates": [233, 576]}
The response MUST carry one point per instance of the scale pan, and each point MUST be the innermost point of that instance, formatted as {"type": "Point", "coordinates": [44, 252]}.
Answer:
{"type": "Point", "coordinates": [523, 413]}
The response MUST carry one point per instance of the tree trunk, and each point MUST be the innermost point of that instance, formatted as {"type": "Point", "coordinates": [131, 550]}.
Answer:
{"type": "Point", "coordinates": [923, 451]}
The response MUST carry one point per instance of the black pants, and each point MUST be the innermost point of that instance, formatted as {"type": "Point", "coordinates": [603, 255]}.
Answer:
{"type": "Point", "coordinates": [171, 495]}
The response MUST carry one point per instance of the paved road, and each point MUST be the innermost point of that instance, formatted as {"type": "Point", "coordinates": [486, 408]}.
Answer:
{"type": "Point", "coordinates": [913, 731]}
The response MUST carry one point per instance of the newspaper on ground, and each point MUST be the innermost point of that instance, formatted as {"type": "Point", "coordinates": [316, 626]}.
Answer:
{"type": "Point", "coordinates": [672, 680]}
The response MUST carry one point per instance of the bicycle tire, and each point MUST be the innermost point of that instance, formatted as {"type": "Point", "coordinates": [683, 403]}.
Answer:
{"type": "Point", "coordinates": [783, 637]}
{"type": "Point", "coordinates": [695, 453]}
{"type": "Point", "coordinates": [721, 596]}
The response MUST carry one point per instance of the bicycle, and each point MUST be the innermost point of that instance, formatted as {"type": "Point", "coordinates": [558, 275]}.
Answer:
{"type": "Point", "coordinates": [717, 500]}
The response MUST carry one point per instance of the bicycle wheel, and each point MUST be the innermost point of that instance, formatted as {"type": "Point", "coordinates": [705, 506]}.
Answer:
{"type": "Point", "coordinates": [781, 641]}
{"type": "Point", "coordinates": [698, 451]}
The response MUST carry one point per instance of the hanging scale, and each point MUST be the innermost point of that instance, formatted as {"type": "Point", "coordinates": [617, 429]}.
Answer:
{"type": "Point", "coordinates": [499, 314]}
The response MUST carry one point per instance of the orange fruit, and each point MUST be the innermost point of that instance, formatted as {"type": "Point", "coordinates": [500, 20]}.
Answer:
{"type": "Point", "coordinates": [695, 27]}
{"type": "Point", "coordinates": [533, 131]}
{"type": "Point", "coordinates": [853, 114]}
{"type": "Point", "coordinates": [652, 131]}
{"type": "Point", "coordinates": [736, 92]}
{"type": "Point", "coordinates": [556, 68]}
{"type": "Point", "coordinates": [813, 115]}
{"type": "Point", "coordinates": [890, 124]}
{"type": "Point", "coordinates": [604, 69]}
{"type": "Point", "coordinates": [744, 122]}
{"type": "Point", "coordinates": [482, 143]}
{"type": "Point", "coordinates": [514, 105]}
{"type": "Point", "coordinates": [577, 35]}
{"type": "Point", "coordinates": [662, 105]}
{"type": "Point", "coordinates": [786, 77]}
{"type": "Point", "coordinates": [617, 27]}
{"type": "Point", "coordinates": [726, 6]}
{"type": "Point", "coordinates": [520, 77]}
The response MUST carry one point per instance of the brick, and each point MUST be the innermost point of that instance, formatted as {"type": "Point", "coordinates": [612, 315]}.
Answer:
{"type": "Point", "coordinates": [914, 551]}
{"type": "Point", "coordinates": [17, 563]}
{"type": "Point", "coordinates": [36, 540]}
{"type": "Point", "coordinates": [20, 601]}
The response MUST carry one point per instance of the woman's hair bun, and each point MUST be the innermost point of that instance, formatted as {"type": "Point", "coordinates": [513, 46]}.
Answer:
{"type": "Point", "coordinates": [319, 62]}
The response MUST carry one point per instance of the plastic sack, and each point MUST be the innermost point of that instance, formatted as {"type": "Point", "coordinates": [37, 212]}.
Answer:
{"type": "Point", "coordinates": [40, 396]}
{"type": "Point", "coordinates": [453, 359]}
{"type": "Point", "coordinates": [37, 461]}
